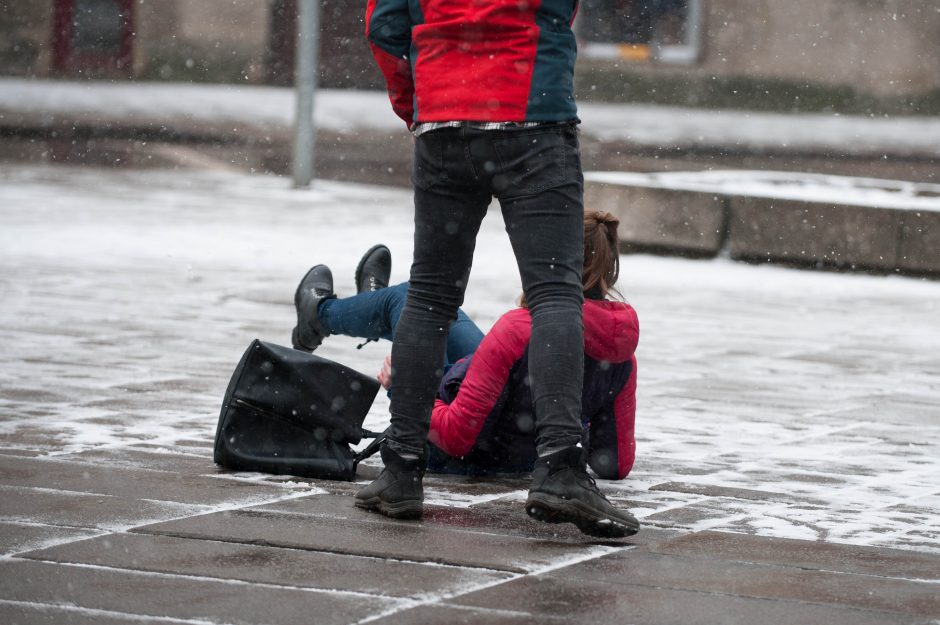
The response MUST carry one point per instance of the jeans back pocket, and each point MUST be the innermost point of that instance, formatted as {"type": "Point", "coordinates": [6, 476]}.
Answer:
{"type": "Point", "coordinates": [530, 160]}
{"type": "Point", "coordinates": [428, 167]}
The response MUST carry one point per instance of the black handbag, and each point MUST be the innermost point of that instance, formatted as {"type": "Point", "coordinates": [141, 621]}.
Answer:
{"type": "Point", "coordinates": [290, 412]}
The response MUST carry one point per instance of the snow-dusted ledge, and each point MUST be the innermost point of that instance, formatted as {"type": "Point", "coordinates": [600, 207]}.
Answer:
{"type": "Point", "coordinates": [816, 219]}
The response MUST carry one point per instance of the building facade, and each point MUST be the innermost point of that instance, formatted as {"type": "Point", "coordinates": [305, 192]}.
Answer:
{"type": "Point", "coordinates": [881, 48]}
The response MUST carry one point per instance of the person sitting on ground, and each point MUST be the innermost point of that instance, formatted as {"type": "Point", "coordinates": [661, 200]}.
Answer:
{"type": "Point", "coordinates": [483, 422]}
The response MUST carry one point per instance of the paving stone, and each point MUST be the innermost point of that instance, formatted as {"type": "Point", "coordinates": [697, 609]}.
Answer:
{"type": "Point", "coordinates": [690, 515]}
{"type": "Point", "coordinates": [503, 516]}
{"type": "Point", "coordinates": [465, 615]}
{"type": "Point", "coordinates": [272, 565]}
{"type": "Point", "coordinates": [33, 396]}
{"type": "Point", "coordinates": [615, 602]}
{"type": "Point", "coordinates": [454, 489]}
{"type": "Point", "coordinates": [891, 408]}
{"type": "Point", "coordinates": [85, 510]}
{"type": "Point", "coordinates": [750, 395]}
{"type": "Point", "coordinates": [18, 537]}
{"type": "Point", "coordinates": [177, 596]}
{"type": "Point", "coordinates": [508, 516]}
{"type": "Point", "coordinates": [509, 519]}
{"type": "Point", "coordinates": [38, 614]}
{"type": "Point", "coordinates": [129, 483]}
{"type": "Point", "coordinates": [141, 457]}
{"type": "Point", "coordinates": [201, 446]}
{"type": "Point", "coordinates": [714, 575]}
{"type": "Point", "coordinates": [31, 437]}
{"type": "Point", "coordinates": [368, 534]}
{"type": "Point", "coordinates": [478, 487]}
{"type": "Point", "coordinates": [19, 451]}
{"type": "Point", "coordinates": [710, 490]}
{"type": "Point", "coordinates": [810, 555]}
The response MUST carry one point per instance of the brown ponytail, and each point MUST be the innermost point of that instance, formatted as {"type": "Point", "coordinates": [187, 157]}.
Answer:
{"type": "Point", "coordinates": [601, 253]}
{"type": "Point", "coordinates": [601, 256]}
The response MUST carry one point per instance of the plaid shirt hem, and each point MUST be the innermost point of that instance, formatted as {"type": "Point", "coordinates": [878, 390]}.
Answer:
{"type": "Point", "coordinates": [420, 129]}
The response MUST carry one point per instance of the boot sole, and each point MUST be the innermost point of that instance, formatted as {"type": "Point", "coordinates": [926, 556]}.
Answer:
{"type": "Point", "coordinates": [411, 509]}
{"type": "Point", "coordinates": [552, 509]}
{"type": "Point", "coordinates": [294, 340]}
{"type": "Point", "coordinates": [296, 344]}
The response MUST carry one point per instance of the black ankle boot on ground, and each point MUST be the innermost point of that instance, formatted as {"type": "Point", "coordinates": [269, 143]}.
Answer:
{"type": "Point", "coordinates": [398, 491]}
{"type": "Point", "coordinates": [563, 492]}
{"type": "Point", "coordinates": [316, 286]}
{"type": "Point", "coordinates": [374, 269]}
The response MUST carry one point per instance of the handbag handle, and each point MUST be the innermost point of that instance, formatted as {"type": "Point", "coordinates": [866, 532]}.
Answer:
{"type": "Point", "coordinates": [372, 448]}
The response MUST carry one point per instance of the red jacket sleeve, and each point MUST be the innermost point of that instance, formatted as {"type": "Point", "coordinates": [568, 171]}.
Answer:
{"type": "Point", "coordinates": [455, 426]}
{"type": "Point", "coordinates": [611, 441]}
{"type": "Point", "coordinates": [388, 29]}
{"type": "Point", "coordinates": [625, 417]}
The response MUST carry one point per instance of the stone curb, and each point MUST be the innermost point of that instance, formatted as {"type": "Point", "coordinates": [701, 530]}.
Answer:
{"type": "Point", "coordinates": [826, 234]}
{"type": "Point", "coordinates": [694, 224]}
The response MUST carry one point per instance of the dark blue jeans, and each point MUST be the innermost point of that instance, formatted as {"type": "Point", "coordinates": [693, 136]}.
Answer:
{"type": "Point", "coordinates": [535, 173]}
{"type": "Point", "coordinates": [374, 315]}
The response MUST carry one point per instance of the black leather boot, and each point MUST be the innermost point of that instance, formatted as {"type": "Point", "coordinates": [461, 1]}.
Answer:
{"type": "Point", "coordinates": [316, 286]}
{"type": "Point", "coordinates": [398, 491]}
{"type": "Point", "coordinates": [563, 492]}
{"type": "Point", "coordinates": [374, 269]}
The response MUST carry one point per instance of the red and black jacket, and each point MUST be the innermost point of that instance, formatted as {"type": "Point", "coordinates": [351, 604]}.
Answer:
{"type": "Point", "coordinates": [483, 420]}
{"type": "Point", "coordinates": [486, 60]}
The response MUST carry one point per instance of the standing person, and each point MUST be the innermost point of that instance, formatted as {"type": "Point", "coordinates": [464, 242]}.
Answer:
{"type": "Point", "coordinates": [487, 89]}
{"type": "Point", "coordinates": [482, 419]}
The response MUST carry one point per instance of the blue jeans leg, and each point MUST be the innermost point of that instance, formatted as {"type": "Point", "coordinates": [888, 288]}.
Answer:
{"type": "Point", "coordinates": [463, 339]}
{"type": "Point", "coordinates": [375, 314]}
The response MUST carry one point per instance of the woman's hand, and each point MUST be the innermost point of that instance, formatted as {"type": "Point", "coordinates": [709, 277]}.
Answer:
{"type": "Point", "coordinates": [385, 375]}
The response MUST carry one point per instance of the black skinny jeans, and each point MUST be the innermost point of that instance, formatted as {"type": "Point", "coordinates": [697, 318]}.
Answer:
{"type": "Point", "coordinates": [535, 173]}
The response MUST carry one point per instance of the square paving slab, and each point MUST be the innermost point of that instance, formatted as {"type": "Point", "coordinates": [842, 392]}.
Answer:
{"type": "Point", "coordinates": [179, 596]}
{"type": "Point", "coordinates": [98, 478]}
{"type": "Point", "coordinates": [613, 601]}
{"type": "Point", "coordinates": [367, 534]}
{"type": "Point", "coordinates": [271, 565]}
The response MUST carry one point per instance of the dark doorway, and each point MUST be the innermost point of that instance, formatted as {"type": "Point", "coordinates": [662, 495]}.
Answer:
{"type": "Point", "coordinates": [345, 59]}
{"type": "Point", "coordinates": [93, 38]}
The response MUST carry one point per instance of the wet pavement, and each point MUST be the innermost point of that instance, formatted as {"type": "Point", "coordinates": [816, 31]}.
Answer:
{"type": "Point", "coordinates": [788, 428]}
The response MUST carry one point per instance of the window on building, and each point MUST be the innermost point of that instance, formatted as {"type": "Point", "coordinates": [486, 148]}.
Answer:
{"type": "Point", "coordinates": [97, 26]}
{"type": "Point", "coordinates": [93, 37]}
{"type": "Point", "coordinates": [663, 30]}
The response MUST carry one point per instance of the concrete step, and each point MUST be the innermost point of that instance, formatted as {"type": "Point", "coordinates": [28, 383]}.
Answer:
{"type": "Point", "coordinates": [766, 216]}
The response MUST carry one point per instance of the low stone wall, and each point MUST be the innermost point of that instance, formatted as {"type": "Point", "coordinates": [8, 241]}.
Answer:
{"type": "Point", "coordinates": [695, 224]}
{"type": "Point", "coordinates": [806, 219]}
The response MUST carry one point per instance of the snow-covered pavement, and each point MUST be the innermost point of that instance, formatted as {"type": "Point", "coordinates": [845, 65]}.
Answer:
{"type": "Point", "coordinates": [771, 402]}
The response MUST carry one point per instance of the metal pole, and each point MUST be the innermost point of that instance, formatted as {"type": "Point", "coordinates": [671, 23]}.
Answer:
{"type": "Point", "coordinates": [305, 84]}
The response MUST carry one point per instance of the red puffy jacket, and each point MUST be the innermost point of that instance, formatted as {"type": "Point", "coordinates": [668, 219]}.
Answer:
{"type": "Point", "coordinates": [479, 60]}
{"type": "Point", "coordinates": [489, 423]}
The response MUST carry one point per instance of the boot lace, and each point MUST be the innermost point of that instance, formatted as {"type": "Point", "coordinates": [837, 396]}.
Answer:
{"type": "Point", "coordinates": [589, 482]}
